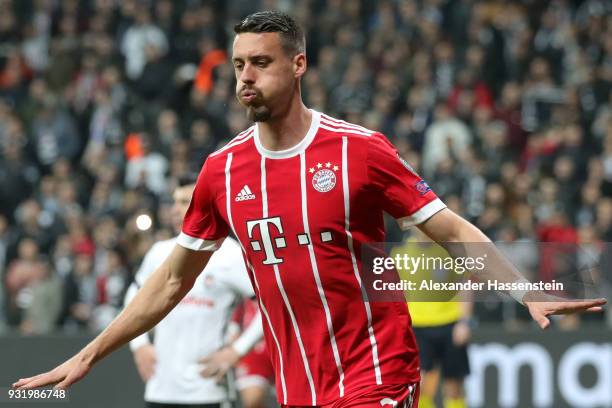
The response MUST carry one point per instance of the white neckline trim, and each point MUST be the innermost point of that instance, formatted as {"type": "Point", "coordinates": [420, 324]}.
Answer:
{"type": "Point", "coordinates": [294, 150]}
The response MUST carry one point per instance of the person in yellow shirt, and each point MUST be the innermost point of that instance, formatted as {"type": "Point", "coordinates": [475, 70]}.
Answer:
{"type": "Point", "coordinates": [441, 325]}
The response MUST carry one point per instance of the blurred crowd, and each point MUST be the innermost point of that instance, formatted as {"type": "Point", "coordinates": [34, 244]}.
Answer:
{"type": "Point", "coordinates": [505, 107]}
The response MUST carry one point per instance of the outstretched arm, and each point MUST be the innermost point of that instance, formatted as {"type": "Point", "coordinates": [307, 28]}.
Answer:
{"type": "Point", "coordinates": [143, 351]}
{"type": "Point", "coordinates": [451, 231]}
{"type": "Point", "coordinates": [160, 294]}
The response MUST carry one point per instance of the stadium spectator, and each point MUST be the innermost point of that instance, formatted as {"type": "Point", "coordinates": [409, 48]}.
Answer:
{"type": "Point", "coordinates": [80, 292]}
{"type": "Point", "coordinates": [54, 133]}
{"type": "Point", "coordinates": [141, 34]}
{"type": "Point", "coordinates": [21, 274]}
{"type": "Point", "coordinates": [147, 169]}
{"type": "Point", "coordinates": [446, 139]}
{"type": "Point", "coordinates": [42, 305]}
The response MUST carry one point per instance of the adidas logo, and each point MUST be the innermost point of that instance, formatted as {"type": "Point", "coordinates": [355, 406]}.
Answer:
{"type": "Point", "coordinates": [245, 194]}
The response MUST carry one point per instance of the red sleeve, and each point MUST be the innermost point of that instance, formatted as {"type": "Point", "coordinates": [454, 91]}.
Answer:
{"type": "Point", "coordinates": [403, 193]}
{"type": "Point", "coordinates": [203, 226]}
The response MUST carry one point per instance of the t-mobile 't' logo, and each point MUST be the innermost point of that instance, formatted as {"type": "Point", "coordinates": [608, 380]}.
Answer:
{"type": "Point", "coordinates": [268, 243]}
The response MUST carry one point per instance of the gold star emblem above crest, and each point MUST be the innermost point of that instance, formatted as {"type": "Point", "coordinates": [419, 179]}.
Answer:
{"type": "Point", "coordinates": [312, 170]}
{"type": "Point", "coordinates": [336, 168]}
{"type": "Point", "coordinates": [319, 165]}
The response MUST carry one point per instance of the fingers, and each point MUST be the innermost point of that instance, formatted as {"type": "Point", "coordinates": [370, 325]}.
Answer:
{"type": "Point", "coordinates": [586, 304]}
{"type": "Point", "coordinates": [572, 307]}
{"type": "Point", "coordinates": [24, 381]}
{"type": "Point", "coordinates": [540, 311]}
{"type": "Point", "coordinates": [145, 373]}
{"type": "Point", "coordinates": [543, 322]}
{"type": "Point", "coordinates": [34, 382]}
{"type": "Point", "coordinates": [220, 376]}
{"type": "Point", "coordinates": [68, 381]}
{"type": "Point", "coordinates": [559, 308]}
{"type": "Point", "coordinates": [209, 371]}
{"type": "Point", "coordinates": [20, 382]}
{"type": "Point", "coordinates": [150, 372]}
{"type": "Point", "coordinates": [146, 370]}
{"type": "Point", "coordinates": [540, 318]}
{"type": "Point", "coordinates": [62, 386]}
{"type": "Point", "coordinates": [214, 371]}
{"type": "Point", "coordinates": [590, 303]}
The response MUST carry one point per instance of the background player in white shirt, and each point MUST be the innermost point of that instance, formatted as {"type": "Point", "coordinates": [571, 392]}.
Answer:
{"type": "Point", "coordinates": [172, 365]}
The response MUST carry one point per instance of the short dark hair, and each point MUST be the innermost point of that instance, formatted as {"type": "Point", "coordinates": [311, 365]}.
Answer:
{"type": "Point", "coordinates": [291, 34]}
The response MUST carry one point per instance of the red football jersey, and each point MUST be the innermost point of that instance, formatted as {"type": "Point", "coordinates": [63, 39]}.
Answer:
{"type": "Point", "coordinates": [302, 216]}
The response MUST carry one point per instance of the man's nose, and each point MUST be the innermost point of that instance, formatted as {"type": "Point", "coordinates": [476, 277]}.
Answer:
{"type": "Point", "coordinates": [247, 75]}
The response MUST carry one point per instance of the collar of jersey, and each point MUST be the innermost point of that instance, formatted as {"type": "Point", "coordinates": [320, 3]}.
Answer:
{"type": "Point", "coordinates": [294, 150]}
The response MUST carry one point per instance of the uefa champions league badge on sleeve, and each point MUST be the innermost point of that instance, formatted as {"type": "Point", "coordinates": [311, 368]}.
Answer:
{"type": "Point", "coordinates": [324, 176]}
{"type": "Point", "coordinates": [422, 187]}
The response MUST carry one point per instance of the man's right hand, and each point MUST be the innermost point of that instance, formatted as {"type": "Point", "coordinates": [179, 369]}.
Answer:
{"type": "Point", "coordinates": [63, 376]}
{"type": "Point", "coordinates": [145, 359]}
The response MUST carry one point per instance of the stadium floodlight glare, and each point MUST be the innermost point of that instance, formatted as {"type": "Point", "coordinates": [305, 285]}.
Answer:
{"type": "Point", "coordinates": [144, 222]}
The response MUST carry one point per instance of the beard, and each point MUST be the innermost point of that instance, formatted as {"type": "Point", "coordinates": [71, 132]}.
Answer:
{"type": "Point", "coordinates": [259, 113]}
{"type": "Point", "coordinates": [256, 110]}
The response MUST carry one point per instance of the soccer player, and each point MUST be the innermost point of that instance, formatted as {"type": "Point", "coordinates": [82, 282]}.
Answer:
{"type": "Point", "coordinates": [303, 192]}
{"type": "Point", "coordinates": [195, 329]}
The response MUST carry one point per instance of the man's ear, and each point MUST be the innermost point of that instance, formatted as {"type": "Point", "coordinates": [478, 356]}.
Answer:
{"type": "Point", "coordinates": [299, 65]}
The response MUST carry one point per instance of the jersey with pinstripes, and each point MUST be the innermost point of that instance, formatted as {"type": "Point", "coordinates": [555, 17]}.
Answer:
{"type": "Point", "coordinates": [313, 207]}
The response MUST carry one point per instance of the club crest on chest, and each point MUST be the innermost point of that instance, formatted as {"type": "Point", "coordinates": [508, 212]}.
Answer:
{"type": "Point", "coordinates": [324, 176]}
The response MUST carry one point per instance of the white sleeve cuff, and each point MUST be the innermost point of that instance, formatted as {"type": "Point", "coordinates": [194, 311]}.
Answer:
{"type": "Point", "coordinates": [233, 330]}
{"type": "Point", "coordinates": [421, 215]}
{"type": "Point", "coordinates": [198, 244]}
{"type": "Point", "coordinates": [139, 341]}
{"type": "Point", "coordinates": [249, 337]}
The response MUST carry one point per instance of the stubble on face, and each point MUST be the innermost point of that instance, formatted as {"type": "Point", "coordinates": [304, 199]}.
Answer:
{"type": "Point", "coordinates": [259, 114]}
{"type": "Point", "coordinates": [256, 110]}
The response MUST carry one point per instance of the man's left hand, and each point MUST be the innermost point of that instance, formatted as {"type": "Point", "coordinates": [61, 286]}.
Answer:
{"type": "Point", "coordinates": [541, 306]}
